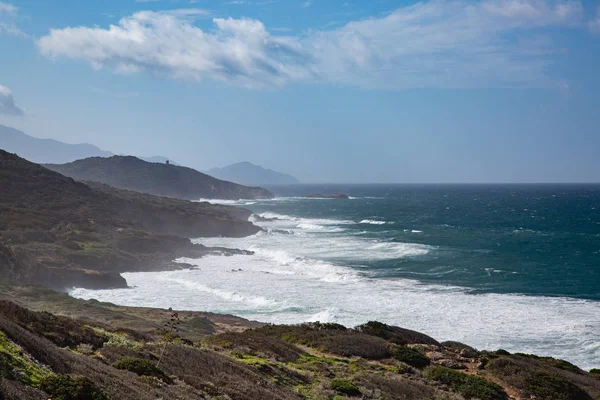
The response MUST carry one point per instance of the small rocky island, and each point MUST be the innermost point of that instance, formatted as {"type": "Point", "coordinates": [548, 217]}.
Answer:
{"type": "Point", "coordinates": [328, 196]}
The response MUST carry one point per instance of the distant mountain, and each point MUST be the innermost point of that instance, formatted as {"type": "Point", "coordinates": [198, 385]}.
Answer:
{"type": "Point", "coordinates": [246, 173]}
{"type": "Point", "coordinates": [52, 151]}
{"type": "Point", "coordinates": [127, 172]}
{"type": "Point", "coordinates": [45, 150]}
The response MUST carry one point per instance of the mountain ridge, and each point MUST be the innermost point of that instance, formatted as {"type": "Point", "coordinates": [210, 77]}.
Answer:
{"type": "Point", "coordinates": [246, 173]}
{"type": "Point", "coordinates": [132, 173]}
{"type": "Point", "coordinates": [52, 151]}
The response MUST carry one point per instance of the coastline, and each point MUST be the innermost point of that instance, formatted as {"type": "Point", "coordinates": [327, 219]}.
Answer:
{"type": "Point", "coordinates": [269, 284]}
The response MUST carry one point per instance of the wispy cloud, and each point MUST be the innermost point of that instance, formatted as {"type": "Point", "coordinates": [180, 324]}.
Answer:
{"type": "Point", "coordinates": [434, 44]}
{"type": "Point", "coordinates": [594, 24]}
{"type": "Point", "coordinates": [306, 4]}
{"type": "Point", "coordinates": [7, 103]}
{"type": "Point", "coordinates": [7, 8]}
{"type": "Point", "coordinates": [8, 12]}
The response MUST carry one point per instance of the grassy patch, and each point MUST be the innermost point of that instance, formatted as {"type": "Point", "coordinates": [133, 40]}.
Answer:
{"type": "Point", "coordinates": [345, 386]}
{"type": "Point", "coordinates": [66, 387]}
{"type": "Point", "coordinates": [549, 386]}
{"type": "Point", "coordinates": [141, 367]}
{"type": "Point", "coordinates": [471, 387]}
{"type": "Point", "coordinates": [411, 356]}
{"type": "Point", "coordinates": [15, 364]}
{"type": "Point", "coordinates": [118, 339]}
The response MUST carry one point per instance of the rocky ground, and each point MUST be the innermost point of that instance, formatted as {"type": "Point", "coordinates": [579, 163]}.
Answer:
{"type": "Point", "coordinates": [92, 350]}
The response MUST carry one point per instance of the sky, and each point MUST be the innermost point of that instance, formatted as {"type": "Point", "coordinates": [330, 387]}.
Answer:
{"type": "Point", "coordinates": [346, 91]}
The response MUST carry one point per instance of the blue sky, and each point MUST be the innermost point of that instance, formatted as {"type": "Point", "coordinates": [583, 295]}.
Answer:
{"type": "Point", "coordinates": [327, 90]}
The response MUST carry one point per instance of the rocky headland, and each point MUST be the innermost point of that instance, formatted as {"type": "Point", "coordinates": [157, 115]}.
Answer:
{"type": "Point", "coordinates": [62, 233]}
{"type": "Point", "coordinates": [127, 172]}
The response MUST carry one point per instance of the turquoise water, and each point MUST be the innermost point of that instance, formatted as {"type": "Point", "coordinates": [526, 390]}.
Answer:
{"type": "Point", "coordinates": [513, 267]}
{"type": "Point", "coordinates": [530, 239]}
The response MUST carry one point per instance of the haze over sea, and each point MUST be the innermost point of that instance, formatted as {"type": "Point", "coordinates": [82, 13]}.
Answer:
{"type": "Point", "coordinates": [495, 266]}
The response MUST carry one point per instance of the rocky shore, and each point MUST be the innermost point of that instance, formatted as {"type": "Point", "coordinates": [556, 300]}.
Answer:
{"type": "Point", "coordinates": [62, 233]}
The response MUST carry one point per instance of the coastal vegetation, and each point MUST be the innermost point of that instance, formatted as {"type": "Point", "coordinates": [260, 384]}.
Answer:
{"type": "Point", "coordinates": [222, 357]}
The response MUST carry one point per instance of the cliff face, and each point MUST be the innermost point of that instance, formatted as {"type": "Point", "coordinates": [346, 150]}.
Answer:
{"type": "Point", "coordinates": [62, 233]}
{"type": "Point", "coordinates": [158, 179]}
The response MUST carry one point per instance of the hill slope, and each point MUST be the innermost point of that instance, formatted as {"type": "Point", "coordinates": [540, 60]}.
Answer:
{"type": "Point", "coordinates": [59, 232]}
{"type": "Point", "coordinates": [128, 172]}
{"type": "Point", "coordinates": [246, 173]}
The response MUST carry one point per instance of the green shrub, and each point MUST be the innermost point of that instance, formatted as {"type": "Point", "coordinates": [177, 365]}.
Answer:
{"type": "Point", "coordinates": [141, 367]}
{"type": "Point", "coordinates": [502, 352]}
{"type": "Point", "coordinates": [595, 372]}
{"type": "Point", "coordinates": [411, 356]}
{"type": "Point", "coordinates": [471, 387]}
{"type": "Point", "coordinates": [345, 387]}
{"type": "Point", "coordinates": [66, 387]}
{"type": "Point", "coordinates": [548, 386]}
{"type": "Point", "coordinates": [567, 366]}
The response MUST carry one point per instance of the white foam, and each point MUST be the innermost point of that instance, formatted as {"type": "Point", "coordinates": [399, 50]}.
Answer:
{"type": "Point", "coordinates": [372, 222]}
{"type": "Point", "coordinates": [302, 277]}
{"type": "Point", "coordinates": [279, 287]}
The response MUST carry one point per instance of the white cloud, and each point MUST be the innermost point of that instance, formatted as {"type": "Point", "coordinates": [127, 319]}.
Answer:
{"type": "Point", "coordinates": [439, 43]}
{"type": "Point", "coordinates": [306, 4]}
{"type": "Point", "coordinates": [7, 103]}
{"type": "Point", "coordinates": [594, 24]}
{"type": "Point", "coordinates": [239, 51]}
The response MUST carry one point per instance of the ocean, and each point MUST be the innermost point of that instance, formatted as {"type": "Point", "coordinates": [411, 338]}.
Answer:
{"type": "Point", "coordinates": [494, 266]}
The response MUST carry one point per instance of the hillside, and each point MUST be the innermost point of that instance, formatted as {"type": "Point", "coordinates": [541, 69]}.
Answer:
{"type": "Point", "coordinates": [246, 173]}
{"type": "Point", "coordinates": [128, 172]}
{"type": "Point", "coordinates": [93, 350]}
{"type": "Point", "coordinates": [60, 233]}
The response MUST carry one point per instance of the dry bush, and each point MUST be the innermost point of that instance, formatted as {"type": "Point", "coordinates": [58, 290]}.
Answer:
{"type": "Point", "coordinates": [14, 390]}
{"type": "Point", "coordinates": [256, 343]}
{"type": "Point", "coordinates": [218, 375]}
{"type": "Point", "coordinates": [517, 370]}
{"type": "Point", "coordinates": [117, 384]}
{"type": "Point", "coordinates": [331, 338]}
{"type": "Point", "coordinates": [395, 334]}
{"type": "Point", "coordinates": [62, 331]}
{"type": "Point", "coordinates": [394, 387]}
